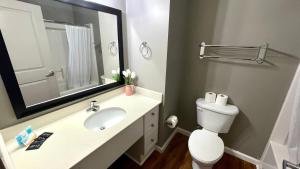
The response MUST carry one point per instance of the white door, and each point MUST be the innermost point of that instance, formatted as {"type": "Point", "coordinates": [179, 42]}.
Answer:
{"type": "Point", "coordinates": [26, 40]}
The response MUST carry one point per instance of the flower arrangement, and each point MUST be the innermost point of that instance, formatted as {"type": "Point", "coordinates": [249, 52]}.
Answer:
{"type": "Point", "coordinates": [129, 82]}
{"type": "Point", "coordinates": [116, 75]}
{"type": "Point", "coordinates": [129, 77]}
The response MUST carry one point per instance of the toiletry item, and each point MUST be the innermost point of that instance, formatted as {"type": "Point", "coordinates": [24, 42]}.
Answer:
{"type": "Point", "coordinates": [45, 135]}
{"type": "Point", "coordinates": [221, 99]}
{"type": "Point", "coordinates": [31, 137]}
{"type": "Point", "coordinates": [172, 121]}
{"type": "Point", "coordinates": [35, 145]}
{"type": "Point", "coordinates": [39, 141]}
{"type": "Point", "coordinates": [28, 130]}
{"type": "Point", "coordinates": [19, 139]}
{"type": "Point", "coordinates": [210, 97]}
{"type": "Point", "coordinates": [25, 137]}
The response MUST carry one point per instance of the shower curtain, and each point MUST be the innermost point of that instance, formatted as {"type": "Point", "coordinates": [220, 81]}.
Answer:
{"type": "Point", "coordinates": [293, 141]}
{"type": "Point", "coordinates": [82, 65]}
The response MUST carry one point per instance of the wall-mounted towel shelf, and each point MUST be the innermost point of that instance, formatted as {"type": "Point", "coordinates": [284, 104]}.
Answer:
{"type": "Point", "coordinates": [260, 57]}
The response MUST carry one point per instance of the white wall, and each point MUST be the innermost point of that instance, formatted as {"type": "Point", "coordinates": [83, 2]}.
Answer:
{"type": "Point", "coordinates": [148, 21]}
{"type": "Point", "coordinates": [108, 33]}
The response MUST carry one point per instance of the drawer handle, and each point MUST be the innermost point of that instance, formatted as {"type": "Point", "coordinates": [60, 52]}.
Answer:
{"type": "Point", "coordinates": [152, 113]}
{"type": "Point", "coordinates": [152, 125]}
{"type": "Point", "coordinates": [152, 140]}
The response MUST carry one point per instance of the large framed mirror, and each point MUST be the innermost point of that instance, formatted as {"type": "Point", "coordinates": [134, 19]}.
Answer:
{"type": "Point", "coordinates": [56, 51]}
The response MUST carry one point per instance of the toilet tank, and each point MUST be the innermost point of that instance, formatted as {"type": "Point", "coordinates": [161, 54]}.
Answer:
{"type": "Point", "coordinates": [215, 117]}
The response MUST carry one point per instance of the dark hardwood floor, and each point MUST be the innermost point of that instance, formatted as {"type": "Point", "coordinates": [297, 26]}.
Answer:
{"type": "Point", "coordinates": [177, 156]}
{"type": "Point", "coordinates": [1, 165]}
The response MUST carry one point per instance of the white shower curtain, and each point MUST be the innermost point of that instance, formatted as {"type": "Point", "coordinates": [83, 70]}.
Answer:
{"type": "Point", "coordinates": [293, 141]}
{"type": "Point", "coordinates": [82, 57]}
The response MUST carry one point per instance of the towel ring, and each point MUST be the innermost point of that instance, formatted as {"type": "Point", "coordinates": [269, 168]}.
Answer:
{"type": "Point", "coordinates": [145, 50]}
{"type": "Point", "coordinates": [113, 48]}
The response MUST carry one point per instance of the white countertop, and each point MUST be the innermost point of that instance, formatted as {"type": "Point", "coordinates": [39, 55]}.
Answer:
{"type": "Point", "coordinates": [72, 142]}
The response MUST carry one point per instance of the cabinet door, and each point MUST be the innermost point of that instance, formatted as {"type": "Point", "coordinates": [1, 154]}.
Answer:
{"type": "Point", "coordinates": [24, 33]}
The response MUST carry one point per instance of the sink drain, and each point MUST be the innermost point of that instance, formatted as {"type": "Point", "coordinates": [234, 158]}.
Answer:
{"type": "Point", "coordinates": [102, 128]}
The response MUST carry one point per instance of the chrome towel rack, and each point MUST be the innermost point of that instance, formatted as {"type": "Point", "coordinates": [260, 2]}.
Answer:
{"type": "Point", "coordinates": [260, 58]}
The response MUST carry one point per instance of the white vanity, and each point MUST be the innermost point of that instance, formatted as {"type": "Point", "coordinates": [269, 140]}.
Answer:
{"type": "Point", "coordinates": [143, 148]}
{"type": "Point", "coordinates": [74, 145]}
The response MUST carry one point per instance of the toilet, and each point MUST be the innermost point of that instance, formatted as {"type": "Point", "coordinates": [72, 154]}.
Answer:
{"type": "Point", "coordinates": [205, 146]}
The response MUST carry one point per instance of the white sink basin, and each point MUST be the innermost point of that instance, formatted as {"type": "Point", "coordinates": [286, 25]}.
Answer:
{"type": "Point", "coordinates": [105, 118]}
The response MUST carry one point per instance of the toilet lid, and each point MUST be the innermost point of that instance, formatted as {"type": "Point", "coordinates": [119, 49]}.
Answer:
{"type": "Point", "coordinates": [205, 146]}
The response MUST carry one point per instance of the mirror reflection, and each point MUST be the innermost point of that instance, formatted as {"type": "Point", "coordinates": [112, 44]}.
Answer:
{"type": "Point", "coordinates": [60, 49]}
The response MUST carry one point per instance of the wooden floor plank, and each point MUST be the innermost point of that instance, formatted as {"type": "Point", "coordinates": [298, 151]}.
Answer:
{"type": "Point", "coordinates": [177, 156]}
{"type": "Point", "coordinates": [1, 165]}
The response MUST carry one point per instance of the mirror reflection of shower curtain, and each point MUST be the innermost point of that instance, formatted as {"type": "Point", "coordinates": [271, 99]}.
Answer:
{"type": "Point", "coordinates": [81, 66]}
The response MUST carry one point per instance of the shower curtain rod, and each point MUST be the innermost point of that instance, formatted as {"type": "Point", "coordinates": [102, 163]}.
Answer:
{"type": "Point", "coordinates": [65, 23]}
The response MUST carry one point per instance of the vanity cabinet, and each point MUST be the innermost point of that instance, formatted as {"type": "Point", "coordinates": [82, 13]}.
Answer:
{"type": "Point", "coordinates": [81, 147]}
{"type": "Point", "coordinates": [143, 148]}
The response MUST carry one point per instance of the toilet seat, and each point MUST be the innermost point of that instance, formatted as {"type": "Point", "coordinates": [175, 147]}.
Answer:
{"type": "Point", "coordinates": [205, 146]}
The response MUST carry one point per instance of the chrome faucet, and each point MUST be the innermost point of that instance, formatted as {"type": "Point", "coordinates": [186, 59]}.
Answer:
{"type": "Point", "coordinates": [93, 106]}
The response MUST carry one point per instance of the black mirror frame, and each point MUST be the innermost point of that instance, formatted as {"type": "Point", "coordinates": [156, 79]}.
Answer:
{"type": "Point", "coordinates": [11, 83]}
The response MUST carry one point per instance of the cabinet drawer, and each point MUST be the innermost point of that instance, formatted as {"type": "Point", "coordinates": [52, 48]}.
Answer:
{"type": "Point", "coordinates": [151, 129]}
{"type": "Point", "coordinates": [150, 141]}
{"type": "Point", "coordinates": [151, 118]}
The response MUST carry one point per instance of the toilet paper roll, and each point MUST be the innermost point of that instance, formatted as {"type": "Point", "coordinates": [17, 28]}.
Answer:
{"type": "Point", "coordinates": [210, 97]}
{"type": "Point", "coordinates": [172, 121]}
{"type": "Point", "coordinates": [221, 99]}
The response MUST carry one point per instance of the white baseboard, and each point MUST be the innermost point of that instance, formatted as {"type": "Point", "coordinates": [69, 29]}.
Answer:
{"type": "Point", "coordinates": [167, 142]}
{"type": "Point", "coordinates": [242, 156]}
{"type": "Point", "coordinates": [183, 131]}
{"type": "Point", "coordinates": [228, 150]}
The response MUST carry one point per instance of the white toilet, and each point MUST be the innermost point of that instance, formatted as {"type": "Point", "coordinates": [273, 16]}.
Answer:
{"type": "Point", "coordinates": [205, 146]}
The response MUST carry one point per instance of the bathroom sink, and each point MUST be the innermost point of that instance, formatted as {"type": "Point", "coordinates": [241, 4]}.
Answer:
{"type": "Point", "coordinates": [105, 118]}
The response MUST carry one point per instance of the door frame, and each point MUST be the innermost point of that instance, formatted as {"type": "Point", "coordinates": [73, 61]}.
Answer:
{"type": "Point", "coordinates": [12, 86]}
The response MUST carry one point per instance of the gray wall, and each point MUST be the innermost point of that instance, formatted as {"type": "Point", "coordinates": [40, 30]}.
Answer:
{"type": "Point", "coordinates": [174, 72]}
{"type": "Point", "coordinates": [258, 90]}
